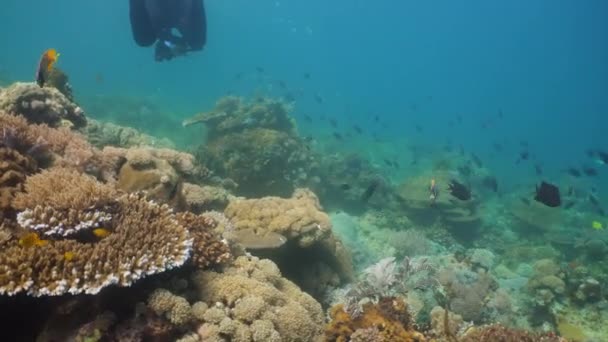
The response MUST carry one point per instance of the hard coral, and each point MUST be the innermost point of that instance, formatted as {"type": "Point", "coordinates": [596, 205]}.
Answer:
{"type": "Point", "coordinates": [497, 332]}
{"type": "Point", "coordinates": [41, 105]}
{"type": "Point", "coordinates": [207, 249]}
{"type": "Point", "coordinates": [14, 168]}
{"type": "Point", "coordinates": [63, 202]}
{"type": "Point", "coordinates": [251, 299]}
{"type": "Point", "coordinates": [389, 316]}
{"type": "Point", "coordinates": [143, 239]}
{"type": "Point", "coordinates": [298, 218]}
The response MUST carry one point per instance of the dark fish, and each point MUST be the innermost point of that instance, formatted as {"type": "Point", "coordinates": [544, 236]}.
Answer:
{"type": "Point", "coordinates": [414, 107]}
{"type": "Point", "coordinates": [476, 160]}
{"type": "Point", "coordinates": [338, 136]}
{"type": "Point", "coordinates": [239, 75]}
{"type": "Point", "coordinates": [490, 182]}
{"type": "Point", "coordinates": [333, 123]}
{"type": "Point", "coordinates": [307, 75]}
{"type": "Point", "coordinates": [497, 147]}
{"type": "Point", "coordinates": [459, 119]}
{"type": "Point", "coordinates": [345, 186]}
{"type": "Point", "coordinates": [524, 143]}
{"type": "Point", "coordinates": [370, 190]}
{"type": "Point", "coordinates": [500, 114]}
{"type": "Point", "coordinates": [282, 84]}
{"type": "Point", "coordinates": [573, 172]}
{"type": "Point", "coordinates": [459, 190]}
{"type": "Point", "coordinates": [589, 171]}
{"type": "Point", "coordinates": [418, 128]}
{"type": "Point", "coordinates": [396, 164]}
{"type": "Point", "coordinates": [319, 99]}
{"type": "Point", "coordinates": [376, 118]}
{"type": "Point", "coordinates": [357, 129]}
{"type": "Point", "coordinates": [548, 194]}
{"type": "Point", "coordinates": [525, 200]}
{"type": "Point", "coordinates": [322, 117]}
{"type": "Point", "coordinates": [461, 150]}
{"type": "Point", "coordinates": [259, 69]}
{"type": "Point", "coordinates": [307, 118]}
{"type": "Point", "coordinates": [538, 169]}
{"type": "Point", "coordinates": [601, 212]}
{"type": "Point", "coordinates": [387, 162]}
{"type": "Point", "coordinates": [569, 205]}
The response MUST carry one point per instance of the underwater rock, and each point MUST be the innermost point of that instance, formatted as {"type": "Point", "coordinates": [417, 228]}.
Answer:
{"type": "Point", "coordinates": [41, 105]}
{"type": "Point", "coordinates": [204, 198]}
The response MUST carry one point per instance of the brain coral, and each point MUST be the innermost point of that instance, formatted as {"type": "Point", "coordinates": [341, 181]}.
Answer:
{"type": "Point", "coordinates": [251, 301]}
{"type": "Point", "coordinates": [140, 239]}
{"type": "Point", "coordinates": [41, 105]}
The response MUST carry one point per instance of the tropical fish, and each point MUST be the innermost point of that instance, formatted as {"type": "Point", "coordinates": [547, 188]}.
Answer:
{"type": "Point", "coordinates": [548, 194]}
{"type": "Point", "coordinates": [597, 225]}
{"type": "Point", "coordinates": [69, 256]}
{"type": "Point", "coordinates": [32, 239]}
{"type": "Point", "coordinates": [45, 65]}
{"type": "Point", "coordinates": [370, 190]}
{"type": "Point", "coordinates": [101, 232]}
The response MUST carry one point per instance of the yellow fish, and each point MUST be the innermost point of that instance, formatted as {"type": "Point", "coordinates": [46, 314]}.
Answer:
{"type": "Point", "coordinates": [101, 232]}
{"type": "Point", "coordinates": [597, 225]}
{"type": "Point", "coordinates": [45, 65]}
{"type": "Point", "coordinates": [32, 239]}
{"type": "Point", "coordinates": [68, 256]}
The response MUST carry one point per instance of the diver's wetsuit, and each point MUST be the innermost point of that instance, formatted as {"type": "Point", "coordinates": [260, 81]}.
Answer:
{"type": "Point", "coordinates": [153, 20]}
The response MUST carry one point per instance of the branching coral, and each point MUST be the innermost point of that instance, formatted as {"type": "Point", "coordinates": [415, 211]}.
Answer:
{"type": "Point", "coordinates": [14, 168]}
{"type": "Point", "coordinates": [254, 301]}
{"type": "Point", "coordinates": [41, 105]}
{"type": "Point", "coordinates": [63, 202]}
{"type": "Point", "coordinates": [390, 316]}
{"type": "Point", "coordinates": [49, 146]}
{"type": "Point", "coordinates": [142, 238]}
{"type": "Point", "coordinates": [207, 249]}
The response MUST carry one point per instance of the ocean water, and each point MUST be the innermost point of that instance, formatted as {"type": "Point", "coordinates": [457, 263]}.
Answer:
{"type": "Point", "coordinates": [489, 78]}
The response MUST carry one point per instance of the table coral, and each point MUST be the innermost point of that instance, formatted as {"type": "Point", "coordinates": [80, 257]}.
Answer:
{"type": "Point", "coordinates": [207, 249]}
{"type": "Point", "coordinates": [41, 105]}
{"type": "Point", "coordinates": [390, 316]}
{"type": "Point", "coordinates": [251, 299]}
{"type": "Point", "coordinates": [142, 238]}
{"type": "Point", "coordinates": [82, 203]}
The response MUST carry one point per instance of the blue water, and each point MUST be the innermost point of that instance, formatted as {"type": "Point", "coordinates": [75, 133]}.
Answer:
{"type": "Point", "coordinates": [543, 63]}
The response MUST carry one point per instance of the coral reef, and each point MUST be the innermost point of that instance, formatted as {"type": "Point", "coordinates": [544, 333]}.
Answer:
{"type": "Point", "coordinates": [251, 301]}
{"type": "Point", "coordinates": [309, 249]}
{"type": "Point", "coordinates": [461, 218]}
{"type": "Point", "coordinates": [256, 145]}
{"type": "Point", "coordinates": [41, 105]}
{"type": "Point", "coordinates": [101, 134]}
{"type": "Point", "coordinates": [58, 79]}
{"type": "Point", "coordinates": [204, 198]}
{"type": "Point", "coordinates": [390, 316]}
{"type": "Point", "coordinates": [84, 203]}
{"type": "Point", "coordinates": [233, 114]}
{"type": "Point", "coordinates": [207, 250]}
{"type": "Point", "coordinates": [151, 241]}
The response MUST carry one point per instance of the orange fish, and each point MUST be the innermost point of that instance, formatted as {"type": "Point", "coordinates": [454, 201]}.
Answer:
{"type": "Point", "coordinates": [48, 59]}
{"type": "Point", "coordinates": [32, 239]}
{"type": "Point", "coordinates": [101, 232]}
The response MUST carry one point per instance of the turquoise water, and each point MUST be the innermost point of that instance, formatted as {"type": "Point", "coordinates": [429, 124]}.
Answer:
{"type": "Point", "coordinates": [484, 77]}
{"type": "Point", "coordinates": [412, 63]}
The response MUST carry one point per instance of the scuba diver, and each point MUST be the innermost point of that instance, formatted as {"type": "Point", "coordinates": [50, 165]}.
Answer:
{"type": "Point", "coordinates": [157, 20]}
